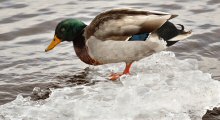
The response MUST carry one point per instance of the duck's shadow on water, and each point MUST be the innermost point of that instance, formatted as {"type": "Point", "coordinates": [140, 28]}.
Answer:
{"type": "Point", "coordinates": [66, 80]}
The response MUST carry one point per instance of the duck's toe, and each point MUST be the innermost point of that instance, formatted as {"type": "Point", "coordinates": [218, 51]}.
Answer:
{"type": "Point", "coordinates": [115, 76]}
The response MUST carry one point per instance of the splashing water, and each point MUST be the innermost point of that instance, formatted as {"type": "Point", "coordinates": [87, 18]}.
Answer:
{"type": "Point", "coordinates": [161, 87]}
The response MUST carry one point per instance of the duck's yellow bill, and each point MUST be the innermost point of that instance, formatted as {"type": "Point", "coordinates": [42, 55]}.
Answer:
{"type": "Point", "coordinates": [53, 43]}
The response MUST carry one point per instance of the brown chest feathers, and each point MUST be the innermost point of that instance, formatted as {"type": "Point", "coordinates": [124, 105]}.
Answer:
{"type": "Point", "coordinates": [84, 56]}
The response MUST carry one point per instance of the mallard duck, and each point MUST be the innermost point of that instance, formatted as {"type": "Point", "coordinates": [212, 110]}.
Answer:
{"type": "Point", "coordinates": [119, 35]}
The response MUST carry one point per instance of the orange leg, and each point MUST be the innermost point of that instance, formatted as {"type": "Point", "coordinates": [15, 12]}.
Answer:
{"type": "Point", "coordinates": [115, 76]}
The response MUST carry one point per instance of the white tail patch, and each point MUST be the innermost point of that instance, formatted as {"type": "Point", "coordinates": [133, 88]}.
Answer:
{"type": "Point", "coordinates": [182, 36]}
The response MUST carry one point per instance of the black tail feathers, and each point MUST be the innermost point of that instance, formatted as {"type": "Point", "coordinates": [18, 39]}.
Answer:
{"type": "Point", "coordinates": [168, 31]}
{"type": "Point", "coordinates": [182, 27]}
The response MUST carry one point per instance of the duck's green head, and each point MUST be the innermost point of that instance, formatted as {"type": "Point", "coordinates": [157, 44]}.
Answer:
{"type": "Point", "coordinates": [66, 30]}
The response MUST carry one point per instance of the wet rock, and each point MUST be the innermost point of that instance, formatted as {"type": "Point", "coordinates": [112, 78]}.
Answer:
{"type": "Point", "coordinates": [212, 114]}
{"type": "Point", "coordinates": [39, 94]}
{"type": "Point", "coordinates": [79, 78]}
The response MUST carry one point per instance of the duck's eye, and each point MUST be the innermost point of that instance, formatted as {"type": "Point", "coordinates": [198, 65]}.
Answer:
{"type": "Point", "coordinates": [62, 29]}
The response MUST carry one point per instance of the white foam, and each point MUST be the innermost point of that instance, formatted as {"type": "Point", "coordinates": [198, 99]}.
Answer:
{"type": "Point", "coordinates": [161, 87]}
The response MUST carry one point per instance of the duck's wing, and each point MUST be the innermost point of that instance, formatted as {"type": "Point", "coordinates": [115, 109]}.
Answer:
{"type": "Point", "coordinates": [118, 24]}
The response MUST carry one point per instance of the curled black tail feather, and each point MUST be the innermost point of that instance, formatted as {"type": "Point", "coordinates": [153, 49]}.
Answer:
{"type": "Point", "coordinates": [182, 27]}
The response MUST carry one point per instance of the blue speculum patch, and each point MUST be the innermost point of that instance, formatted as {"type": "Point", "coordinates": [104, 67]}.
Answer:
{"type": "Point", "coordinates": [139, 37]}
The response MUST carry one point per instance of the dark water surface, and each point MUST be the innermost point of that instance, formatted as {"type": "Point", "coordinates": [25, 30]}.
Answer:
{"type": "Point", "coordinates": [26, 28]}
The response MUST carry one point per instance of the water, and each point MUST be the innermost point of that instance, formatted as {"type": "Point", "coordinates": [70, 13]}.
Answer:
{"type": "Point", "coordinates": [26, 28]}
{"type": "Point", "coordinates": [157, 90]}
